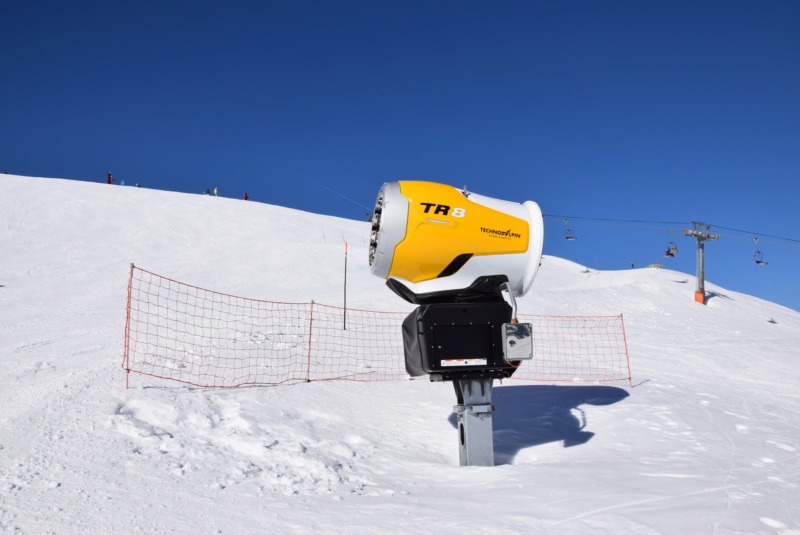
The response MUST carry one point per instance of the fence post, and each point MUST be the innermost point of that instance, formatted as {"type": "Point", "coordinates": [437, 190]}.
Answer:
{"type": "Point", "coordinates": [126, 346]}
{"type": "Point", "coordinates": [625, 345]}
{"type": "Point", "coordinates": [344, 324]}
{"type": "Point", "coordinates": [310, 340]}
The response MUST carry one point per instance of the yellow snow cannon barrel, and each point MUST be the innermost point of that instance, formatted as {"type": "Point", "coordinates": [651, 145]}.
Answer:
{"type": "Point", "coordinates": [432, 239]}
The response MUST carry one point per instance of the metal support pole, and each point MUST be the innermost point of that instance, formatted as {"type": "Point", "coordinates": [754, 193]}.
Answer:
{"type": "Point", "coordinates": [474, 410]}
{"type": "Point", "coordinates": [700, 292]}
{"type": "Point", "coordinates": [701, 232]}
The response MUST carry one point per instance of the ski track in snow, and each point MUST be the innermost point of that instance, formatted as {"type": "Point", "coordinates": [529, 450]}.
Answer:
{"type": "Point", "coordinates": [707, 441]}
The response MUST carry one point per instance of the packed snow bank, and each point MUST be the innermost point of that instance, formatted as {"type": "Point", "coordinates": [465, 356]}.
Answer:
{"type": "Point", "coordinates": [706, 441]}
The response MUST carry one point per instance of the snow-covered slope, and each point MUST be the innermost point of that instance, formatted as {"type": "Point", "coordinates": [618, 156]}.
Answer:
{"type": "Point", "coordinates": [705, 442]}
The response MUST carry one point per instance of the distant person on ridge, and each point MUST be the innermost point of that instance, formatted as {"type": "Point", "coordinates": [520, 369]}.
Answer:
{"type": "Point", "coordinates": [245, 197]}
{"type": "Point", "coordinates": [110, 180]}
{"type": "Point", "coordinates": [122, 182]}
{"type": "Point", "coordinates": [216, 192]}
{"type": "Point", "coordinates": [207, 191]}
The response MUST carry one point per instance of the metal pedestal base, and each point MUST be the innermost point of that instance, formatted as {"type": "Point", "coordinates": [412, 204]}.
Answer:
{"type": "Point", "coordinates": [474, 410]}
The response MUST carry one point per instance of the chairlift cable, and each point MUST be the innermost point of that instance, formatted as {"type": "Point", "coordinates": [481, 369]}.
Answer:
{"type": "Point", "coordinates": [757, 233]}
{"type": "Point", "coordinates": [616, 220]}
{"type": "Point", "coordinates": [671, 223]}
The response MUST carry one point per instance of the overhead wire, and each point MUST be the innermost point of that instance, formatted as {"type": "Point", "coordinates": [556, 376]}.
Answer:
{"type": "Point", "coordinates": [761, 241]}
{"type": "Point", "coordinates": [616, 220]}
{"type": "Point", "coordinates": [679, 223]}
{"type": "Point", "coordinates": [623, 226]}
{"type": "Point", "coordinates": [756, 233]}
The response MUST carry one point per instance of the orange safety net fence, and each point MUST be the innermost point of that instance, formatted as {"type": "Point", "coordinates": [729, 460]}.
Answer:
{"type": "Point", "coordinates": [203, 338]}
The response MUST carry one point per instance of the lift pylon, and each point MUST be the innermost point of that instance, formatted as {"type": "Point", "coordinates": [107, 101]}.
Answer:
{"type": "Point", "coordinates": [701, 232]}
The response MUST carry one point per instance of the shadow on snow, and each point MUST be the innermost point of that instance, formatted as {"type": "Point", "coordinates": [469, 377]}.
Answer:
{"type": "Point", "coordinates": [531, 415]}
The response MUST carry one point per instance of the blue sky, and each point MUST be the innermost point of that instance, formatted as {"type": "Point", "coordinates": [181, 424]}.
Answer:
{"type": "Point", "coordinates": [658, 111]}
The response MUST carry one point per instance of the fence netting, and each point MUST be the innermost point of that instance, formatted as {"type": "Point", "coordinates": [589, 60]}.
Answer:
{"type": "Point", "coordinates": [204, 338]}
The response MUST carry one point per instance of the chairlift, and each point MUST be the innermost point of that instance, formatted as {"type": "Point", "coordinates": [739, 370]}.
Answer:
{"type": "Point", "coordinates": [758, 257]}
{"type": "Point", "coordinates": [672, 247]}
{"type": "Point", "coordinates": [569, 234]}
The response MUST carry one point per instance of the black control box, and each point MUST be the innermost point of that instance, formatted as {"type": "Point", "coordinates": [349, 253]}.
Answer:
{"type": "Point", "coordinates": [457, 341]}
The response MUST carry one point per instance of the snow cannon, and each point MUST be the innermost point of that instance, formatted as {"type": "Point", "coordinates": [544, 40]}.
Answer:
{"type": "Point", "coordinates": [463, 258]}
{"type": "Point", "coordinates": [434, 243]}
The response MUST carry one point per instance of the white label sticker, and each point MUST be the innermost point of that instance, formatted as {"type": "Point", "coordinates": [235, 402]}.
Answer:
{"type": "Point", "coordinates": [464, 362]}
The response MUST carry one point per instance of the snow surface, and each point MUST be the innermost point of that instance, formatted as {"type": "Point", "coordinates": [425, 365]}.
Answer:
{"type": "Point", "coordinates": [706, 441]}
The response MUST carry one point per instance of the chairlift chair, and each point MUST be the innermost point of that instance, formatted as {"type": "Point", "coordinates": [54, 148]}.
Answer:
{"type": "Point", "coordinates": [758, 257]}
{"type": "Point", "coordinates": [569, 234]}
{"type": "Point", "coordinates": [672, 247]}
